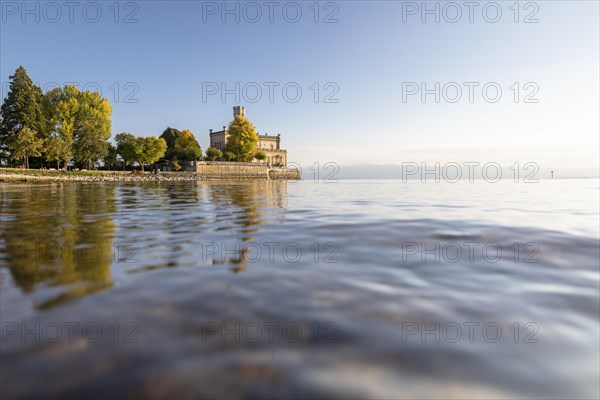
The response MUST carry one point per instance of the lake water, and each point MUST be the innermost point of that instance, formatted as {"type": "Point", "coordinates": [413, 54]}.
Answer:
{"type": "Point", "coordinates": [378, 289]}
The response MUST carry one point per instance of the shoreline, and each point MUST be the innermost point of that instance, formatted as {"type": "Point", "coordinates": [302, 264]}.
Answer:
{"type": "Point", "coordinates": [44, 176]}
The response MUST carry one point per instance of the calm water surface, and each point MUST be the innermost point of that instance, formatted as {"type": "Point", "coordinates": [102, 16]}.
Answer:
{"type": "Point", "coordinates": [377, 289]}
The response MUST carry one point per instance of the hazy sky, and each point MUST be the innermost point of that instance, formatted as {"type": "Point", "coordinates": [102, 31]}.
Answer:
{"type": "Point", "coordinates": [361, 69]}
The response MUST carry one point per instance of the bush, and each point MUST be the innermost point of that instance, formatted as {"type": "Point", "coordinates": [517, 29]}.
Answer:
{"type": "Point", "coordinates": [212, 153]}
{"type": "Point", "coordinates": [260, 155]}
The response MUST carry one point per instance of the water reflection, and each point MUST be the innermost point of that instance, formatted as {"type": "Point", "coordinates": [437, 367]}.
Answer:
{"type": "Point", "coordinates": [58, 239]}
{"type": "Point", "coordinates": [243, 209]}
{"type": "Point", "coordinates": [180, 291]}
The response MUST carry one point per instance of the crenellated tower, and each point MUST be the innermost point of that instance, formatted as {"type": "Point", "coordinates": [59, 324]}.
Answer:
{"type": "Point", "coordinates": [239, 110]}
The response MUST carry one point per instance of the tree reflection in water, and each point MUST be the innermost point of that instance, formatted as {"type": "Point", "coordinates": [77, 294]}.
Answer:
{"type": "Point", "coordinates": [243, 208]}
{"type": "Point", "coordinates": [58, 239]}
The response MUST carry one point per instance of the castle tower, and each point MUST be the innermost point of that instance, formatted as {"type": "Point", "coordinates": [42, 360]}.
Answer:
{"type": "Point", "coordinates": [239, 110]}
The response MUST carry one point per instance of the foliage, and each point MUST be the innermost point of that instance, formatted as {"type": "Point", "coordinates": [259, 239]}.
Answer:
{"type": "Point", "coordinates": [110, 160]}
{"type": "Point", "coordinates": [170, 135]}
{"type": "Point", "coordinates": [126, 147]}
{"type": "Point", "coordinates": [92, 128]}
{"type": "Point", "coordinates": [4, 155]}
{"type": "Point", "coordinates": [229, 156]}
{"type": "Point", "coordinates": [149, 149]}
{"type": "Point", "coordinates": [45, 113]}
{"type": "Point", "coordinates": [82, 118]}
{"type": "Point", "coordinates": [60, 108]}
{"type": "Point", "coordinates": [186, 147]}
{"type": "Point", "coordinates": [25, 144]}
{"type": "Point", "coordinates": [242, 139]}
{"type": "Point", "coordinates": [89, 146]}
{"type": "Point", "coordinates": [21, 108]}
{"type": "Point", "coordinates": [260, 155]}
{"type": "Point", "coordinates": [143, 150]}
{"type": "Point", "coordinates": [212, 154]}
{"type": "Point", "coordinates": [57, 149]}
{"type": "Point", "coordinates": [42, 172]}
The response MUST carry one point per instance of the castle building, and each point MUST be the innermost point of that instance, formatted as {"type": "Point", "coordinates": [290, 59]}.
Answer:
{"type": "Point", "coordinates": [269, 144]}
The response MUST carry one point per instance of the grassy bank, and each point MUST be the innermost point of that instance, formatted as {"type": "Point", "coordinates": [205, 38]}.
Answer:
{"type": "Point", "coordinates": [48, 172]}
{"type": "Point", "coordinates": [37, 175]}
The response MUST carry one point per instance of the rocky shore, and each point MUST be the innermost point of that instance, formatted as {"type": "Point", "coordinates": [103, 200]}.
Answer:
{"type": "Point", "coordinates": [148, 177]}
{"type": "Point", "coordinates": [203, 171]}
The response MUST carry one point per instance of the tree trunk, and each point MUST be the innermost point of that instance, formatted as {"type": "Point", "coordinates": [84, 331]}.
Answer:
{"type": "Point", "coordinates": [142, 167]}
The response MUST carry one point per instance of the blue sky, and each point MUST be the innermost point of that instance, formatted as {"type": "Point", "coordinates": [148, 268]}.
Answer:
{"type": "Point", "coordinates": [172, 52]}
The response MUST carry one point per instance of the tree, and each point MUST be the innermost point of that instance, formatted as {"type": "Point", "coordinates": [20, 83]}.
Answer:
{"type": "Point", "coordinates": [89, 145]}
{"type": "Point", "coordinates": [260, 155]}
{"type": "Point", "coordinates": [212, 154]}
{"type": "Point", "coordinates": [59, 107]}
{"type": "Point", "coordinates": [25, 144]}
{"type": "Point", "coordinates": [110, 159]}
{"type": "Point", "coordinates": [149, 149]}
{"type": "Point", "coordinates": [126, 147]}
{"type": "Point", "coordinates": [46, 122]}
{"type": "Point", "coordinates": [81, 118]}
{"type": "Point", "coordinates": [186, 147]}
{"type": "Point", "coordinates": [170, 135]}
{"type": "Point", "coordinates": [229, 156]}
{"type": "Point", "coordinates": [242, 139]}
{"type": "Point", "coordinates": [58, 149]}
{"type": "Point", "coordinates": [4, 155]}
{"type": "Point", "coordinates": [92, 128]}
{"type": "Point", "coordinates": [21, 109]}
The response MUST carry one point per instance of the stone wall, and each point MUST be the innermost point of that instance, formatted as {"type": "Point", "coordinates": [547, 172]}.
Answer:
{"type": "Point", "coordinates": [287, 174]}
{"type": "Point", "coordinates": [231, 170]}
{"type": "Point", "coordinates": [238, 170]}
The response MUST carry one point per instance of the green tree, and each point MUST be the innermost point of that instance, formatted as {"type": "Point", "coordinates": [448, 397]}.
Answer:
{"type": "Point", "coordinates": [92, 128]}
{"type": "Point", "coordinates": [110, 159]}
{"type": "Point", "coordinates": [149, 149]}
{"type": "Point", "coordinates": [260, 155]}
{"type": "Point", "coordinates": [126, 147]}
{"type": "Point", "coordinates": [4, 155]}
{"type": "Point", "coordinates": [46, 120]}
{"type": "Point", "coordinates": [229, 156]}
{"type": "Point", "coordinates": [58, 149]}
{"type": "Point", "coordinates": [82, 118]}
{"type": "Point", "coordinates": [89, 146]}
{"type": "Point", "coordinates": [20, 109]}
{"type": "Point", "coordinates": [186, 147]}
{"type": "Point", "coordinates": [25, 144]}
{"type": "Point", "coordinates": [242, 139]}
{"type": "Point", "coordinates": [170, 135]}
{"type": "Point", "coordinates": [212, 154]}
{"type": "Point", "coordinates": [59, 107]}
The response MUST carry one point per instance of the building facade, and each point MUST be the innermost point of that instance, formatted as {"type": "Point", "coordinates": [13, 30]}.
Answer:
{"type": "Point", "coordinates": [269, 144]}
